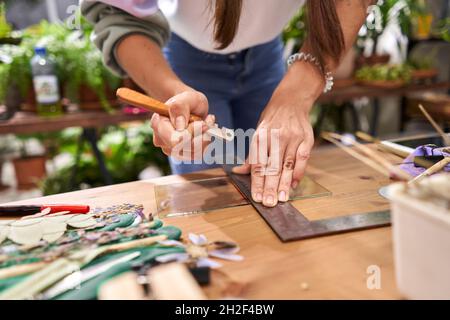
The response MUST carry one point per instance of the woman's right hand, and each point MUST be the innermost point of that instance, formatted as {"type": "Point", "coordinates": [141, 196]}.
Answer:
{"type": "Point", "coordinates": [175, 135]}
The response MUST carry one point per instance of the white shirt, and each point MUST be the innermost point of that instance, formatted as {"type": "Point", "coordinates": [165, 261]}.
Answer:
{"type": "Point", "coordinates": [261, 21]}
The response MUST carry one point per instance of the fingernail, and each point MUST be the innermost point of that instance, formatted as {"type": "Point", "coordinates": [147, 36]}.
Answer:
{"type": "Point", "coordinates": [282, 196]}
{"type": "Point", "coordinates": [270, 200]}
{"type": "Point", "coordinates": [180, 123]}
{"type": "Point", "coordinates": [155, 117]}
{"type": "Point", "coordinates": [210, 120]}
{"type": "Point", "coordinates": [236, 170]}
{"type": "Point", "coordinates": [259, 197]}
{"type": "Point", "coordinates": [294, 184]}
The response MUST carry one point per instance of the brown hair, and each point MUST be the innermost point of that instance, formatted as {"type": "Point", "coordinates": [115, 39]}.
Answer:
{"type": "Point", "coordinates": [326, 38]}
{"type": "Point", "coordinates": [227, 16]}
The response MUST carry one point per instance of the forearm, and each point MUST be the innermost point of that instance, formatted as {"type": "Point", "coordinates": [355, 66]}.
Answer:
{"type": "Point", "coordinates": [144, 62]}
{"type": "Point", "coordinates": [305, 75]}
{"type": "Point", "coordinates": [352, 14]}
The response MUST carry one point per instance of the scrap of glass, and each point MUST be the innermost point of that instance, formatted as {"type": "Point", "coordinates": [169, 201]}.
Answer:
{"type": "Point", "coordinates": [206, 195]}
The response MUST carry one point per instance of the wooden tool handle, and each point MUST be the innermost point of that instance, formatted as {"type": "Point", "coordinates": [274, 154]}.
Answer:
{"type": "Point", "coordinates": [433, 169]}
{"type": "Point", "coordinates": [439, 130]}
{"type": "Point", "coordinates": [141, 100]}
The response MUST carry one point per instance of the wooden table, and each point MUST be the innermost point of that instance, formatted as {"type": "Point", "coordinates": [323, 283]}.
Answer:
{"type": "Point", "coordinates": [331, 267]}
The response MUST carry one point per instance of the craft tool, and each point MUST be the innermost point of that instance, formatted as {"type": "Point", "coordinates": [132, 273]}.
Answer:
{"type": "Point", "coordinates": [385, 145]}
{"type": "Point", "coordinates": [370, 158]}
{"type": "Point", "coordinates": [79, 277]}
{"type": "Point", "coordinates": [373, 155]}
{"type": "Point", "coordinates": [32, 209]}
{"type": "Point", "coordinates": [140, 100]}
{"type": "Point", "coordinates": [395, 148]}
{"type": "Point", "coordinates": [427, 161]}
{"type": "Point", "coordinates": [441, 132]}
{"type": "Point", "coordinates": [432, 170]}
{"type": "Point", "coordinates": [367, 161]}
{"type": "Point", "coordinates": [290, 224]}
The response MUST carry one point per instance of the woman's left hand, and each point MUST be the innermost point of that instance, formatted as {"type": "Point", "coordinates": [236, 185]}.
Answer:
{"type": "Point", "coordinates": [280, 148]}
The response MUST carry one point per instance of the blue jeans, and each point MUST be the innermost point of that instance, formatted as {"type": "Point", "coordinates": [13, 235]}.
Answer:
{"type": "Point", "coordinates": [238, 85]}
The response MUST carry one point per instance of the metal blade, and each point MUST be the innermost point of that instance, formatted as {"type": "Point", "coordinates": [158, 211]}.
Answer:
{"type": "Point", "coordinates": [221, 133]}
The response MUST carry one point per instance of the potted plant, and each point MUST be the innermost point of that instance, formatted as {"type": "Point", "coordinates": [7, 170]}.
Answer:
{"type": "Point", "coordinates": [88, 82]}
{"type": "Point", "coordinates": [5, 27]}
{"type": "Point", "coordinates": [384, 75]}
{"type": "Point", "coordinates": [7, 34]}
{"type": "Point", "coordinates": [380, 16]}
{"type": "Point", "coordinates": [421, 20]}
{"type": "Point", "coordinates": [444, 29]}
{"type": "Point", "coordinates": [79, 67]}
{"type": "Point", "coordinates": [15, 75]}
{"type": "Point", "coordinates": [85, 79]}
{"type": "Point", "coordinates": [29, 168]}
{"type": "Point", "coordinates": [422, 69]}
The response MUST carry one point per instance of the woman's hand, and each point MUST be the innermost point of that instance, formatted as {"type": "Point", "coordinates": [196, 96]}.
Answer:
{"type": "Point", "coordinates": [282, 143]}
{"type": "Point", "coordinates": [175, 135]}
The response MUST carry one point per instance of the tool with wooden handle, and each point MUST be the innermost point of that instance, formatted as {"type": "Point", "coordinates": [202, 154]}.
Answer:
{"type": "Point", "coordinates": [438, 129]}
{"type": "Point", "coordinates": [141, 100]}
{"type": "Point", "coordinates": [432, 170]}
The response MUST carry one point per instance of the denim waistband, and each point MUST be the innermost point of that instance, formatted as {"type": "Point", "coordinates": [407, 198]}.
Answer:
{"type": "Point", "coordinates": [180, 43]}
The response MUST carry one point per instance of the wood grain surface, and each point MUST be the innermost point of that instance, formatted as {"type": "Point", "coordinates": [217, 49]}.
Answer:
{"type": "Point", "coordinates": [333, 267]}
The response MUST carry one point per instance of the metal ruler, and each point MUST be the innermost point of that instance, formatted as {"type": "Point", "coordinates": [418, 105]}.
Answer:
{"type": "Point", "coordinates": [290, 224]}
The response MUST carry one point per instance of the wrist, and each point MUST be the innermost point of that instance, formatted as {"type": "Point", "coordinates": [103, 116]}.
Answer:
{"type": "Point", "coordinates": [168, 89]}
{"type": "Point", "coordinates": [304, 82]}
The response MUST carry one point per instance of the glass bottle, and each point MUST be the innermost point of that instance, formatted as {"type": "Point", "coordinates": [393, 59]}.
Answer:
{"type": "Point", "coordinates": [46, 84]}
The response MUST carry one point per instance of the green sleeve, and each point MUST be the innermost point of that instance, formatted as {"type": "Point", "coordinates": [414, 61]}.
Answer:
{"type": "Point", "coordinates": [111, 25]}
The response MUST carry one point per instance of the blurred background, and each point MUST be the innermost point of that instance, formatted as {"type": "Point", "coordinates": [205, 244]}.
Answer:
{"type": "Point", "coordinates": [84, 138]}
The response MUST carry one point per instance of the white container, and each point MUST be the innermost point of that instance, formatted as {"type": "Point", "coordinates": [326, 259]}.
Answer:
{"type": "Point", "coordinates": [421, 236]}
